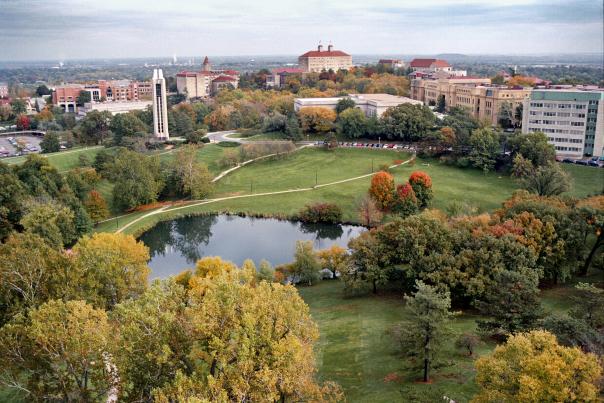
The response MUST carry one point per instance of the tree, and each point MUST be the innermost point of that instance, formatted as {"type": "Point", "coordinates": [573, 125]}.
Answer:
{"type": "Point", "coordinates": [94, 127]}
{"type": "Point", "coordinates": [421, 183]}
{"type": "Point", "coordinates": [507, 116]}
{"type": "Point", "coordinates": [533, 146]}
{"type": "Point", "coordinates": [12, 196]}
{"type": "Point", "coordinates": [113, 267]}
{"type": "Point", "coordinates": [96, 206]}
{"type": "Point", "coordinates": [533, 367]}
{"type": "Point", "coordinates": [83, 98]}
{"type": "Point", "coordinates": [405, 203]}
{"type": "Point", "coordinates": [333, 259]}
{"type": "Point", "coordinates": [407, 122]}
{"type": "Point", "coordinates": [345, 103]}
{"type": "Point", "coordinates": [126, 125]}
{"type": "Point", "coordinates": [522, 167]}
{"type": "Point", "coordinates": [574, 332]}
{"type": "Point", "coordinates": [23, 122]}
{"type": "Point", "coordinates": [306, 266]}
{"type": "Point", "coordinates": [547, 180]}
{"type": "Point", "coordinates": [250, 343]}
{"type": "Point", "coordinates": [317, 119]}
{"type": "Point", "coordinates": [589, 304]}
{"type": "Point", "coordinates": [192, 177]}
{"type": "Point", "coordinates": [592, 211]}
{"type": "Point", "coordinates": [57, 352]}
{"type": "Point", "coordinates": [292, 130]}
{"type": "Point", "coordinates": [368, 212]}
{"type": "Point", "coordinates": [463, 124]}
{"type": "Point", "coordinates": [51, 221]}
{"type": "Point", "coordinates": [352, 123]}
{"type": "Point", "coordinates": [50, 143]}
{"type": "Point", "coordinates": [382, 189]}
{"type": "Point", "coordinates": [18, 106]}
{"type": "Point", "coordinates": [440, 104]}
{"type": "Point", "coordinates": [367, 265]}
{"type": "Point", "coordinates": [512, 303]}
{"type": "Point", "coordinates": [152, 340]}
{"type": "Point", "coordinates": [467, 342]}
{"type": "Point", "coordinates": [197, 136]}
{"type": "Point", "coordinates": [137, 179]}
{"type": "Point", "coordinates": [424, 332]}
{"type": "Point", "coordinates": [485, 148]}
{"type": "Point", "coordinates": [42, 90]}
{"type": "Point", "coordinates": [266, 271]}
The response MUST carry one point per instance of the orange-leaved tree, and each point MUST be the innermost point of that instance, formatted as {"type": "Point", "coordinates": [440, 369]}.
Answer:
{"type": "Point", "coordinates": [382, 189]}
{"type": "Point", "coordinates": [422, 186]}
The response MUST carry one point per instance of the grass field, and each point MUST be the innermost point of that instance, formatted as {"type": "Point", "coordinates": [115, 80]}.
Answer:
{"type": "Point", "coordinates": [356, 350]}
{"type": "Point", "coordinates": [586, 180]}
{"type": "Point", "coordinates": [64, 160]}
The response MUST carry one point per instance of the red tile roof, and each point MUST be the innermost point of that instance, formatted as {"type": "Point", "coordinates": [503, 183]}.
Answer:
{"type": "Point", "coordinates": [288, 70]}
{"type": "Point", "coordinates": [231, 72]}
{"type": "Point", "coordinates": [425, 63]}
{"type": "Point", "coordinates": [332, 53]}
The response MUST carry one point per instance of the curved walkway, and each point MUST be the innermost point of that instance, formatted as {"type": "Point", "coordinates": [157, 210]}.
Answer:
{"type": "Point", "coordinates": [195, 203]}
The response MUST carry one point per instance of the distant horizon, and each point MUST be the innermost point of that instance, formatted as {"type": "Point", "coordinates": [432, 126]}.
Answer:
{"type": "Point", "coordinates": [78, 29]}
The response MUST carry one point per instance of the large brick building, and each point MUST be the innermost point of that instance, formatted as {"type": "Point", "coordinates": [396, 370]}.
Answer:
{"type": "Point", "coordinates": [316, 61]}
{"type": "Point", "coordinates": [204, 83]}
{"type": "Point", "coordinates": [66, 95]}
{"type": "Point", "coordinates": [477, 95]}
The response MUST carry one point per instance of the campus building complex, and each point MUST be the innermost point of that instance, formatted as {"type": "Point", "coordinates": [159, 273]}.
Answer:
{"type": "Point", "coordinates": [572, 119]}
{"type": "Point", "coordinates": [315, 61]}
{"type": "Point", "coordinates": [373, 105]}
{"type": "Point", "coordinates": [207, 82]}
{"type": "Point", "coordinates": [66, 96]}
{"type": "Point", "coordinates": [483, 100]}
{"type": "Point", "coordinates": [278, 76]}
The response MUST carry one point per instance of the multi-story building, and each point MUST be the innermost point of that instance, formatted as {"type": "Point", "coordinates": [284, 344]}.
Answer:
{"type": "Point", "coordinates": [115, 107]}
{"type": "Point", "coordinates": [392, 63]}
{"type": "Point", "coordinates": [571, 118]}
{"type": "Point", "coordinates": [65, 96]}
{"type": "Point", "coordinates": [279, 75]}
{"type": "Point", "coordinates": [3, 90]}
{"type": "Point", "coordinates": [373, 105]}
{"type": "Point", "coordinates": [319, 60]}
{"type": "Point", "coordinates": [432, 66]}
{"type": "Point", "coordinates": [483, 100]}
{"type": "Point", "coordinates": [204, 83]}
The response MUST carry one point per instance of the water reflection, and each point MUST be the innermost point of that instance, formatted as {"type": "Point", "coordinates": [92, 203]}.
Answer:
{"type": "Point", "coordinates": [178, 244]}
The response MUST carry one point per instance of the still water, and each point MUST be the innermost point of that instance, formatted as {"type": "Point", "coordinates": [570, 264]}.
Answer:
{"type": "Point", "coordinates": [176, 245]}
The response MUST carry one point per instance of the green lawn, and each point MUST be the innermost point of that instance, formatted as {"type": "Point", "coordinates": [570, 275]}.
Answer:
{"type": "Point", "coordinates": [586, 180]}
{"type": "Point", "coordinates": [356, 350]}
{"type": "Point", "coordinates": [64, 160]}
{"type": "Point", "coordinates": [208, 154]}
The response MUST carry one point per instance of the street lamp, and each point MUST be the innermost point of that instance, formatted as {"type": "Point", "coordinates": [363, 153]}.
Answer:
{"type": "Point", "coordinates": [379, 141]}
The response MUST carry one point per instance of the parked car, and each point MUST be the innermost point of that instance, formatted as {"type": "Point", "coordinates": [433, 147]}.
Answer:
{"type": "Point", "coordinates": [593, 163]}
{"type": "Point", "coordinates": [581, 162]}
{"type": "Point", "coordinates": [568, 161]}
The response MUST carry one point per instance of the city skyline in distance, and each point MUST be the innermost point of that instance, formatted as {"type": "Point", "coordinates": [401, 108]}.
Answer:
{"type": "Point", "coordinates": [69, 29]}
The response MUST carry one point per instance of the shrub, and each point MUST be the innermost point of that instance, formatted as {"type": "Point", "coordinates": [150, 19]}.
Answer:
{"type": "Point", "coordinates": [422, 186]}
{"type": "Point", "coordinates": [405, 202]}
{"type": "Point", "coordinates": [321, 212]}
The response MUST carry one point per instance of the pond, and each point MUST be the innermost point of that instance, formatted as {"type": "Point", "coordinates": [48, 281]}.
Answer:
{"type": "Point", "coordinates": [176, 245]}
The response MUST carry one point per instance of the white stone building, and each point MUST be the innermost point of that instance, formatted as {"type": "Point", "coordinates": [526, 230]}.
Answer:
{"type": "Point", "coordinates": [315, 61]}
{"type": "Point", "coordinates": [160, 107]}
{"type": "Point", "coordinates": [373, 105]}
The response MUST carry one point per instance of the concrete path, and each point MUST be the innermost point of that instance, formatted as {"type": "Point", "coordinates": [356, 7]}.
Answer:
{"type": "Point", "coordinates": [195, 203]}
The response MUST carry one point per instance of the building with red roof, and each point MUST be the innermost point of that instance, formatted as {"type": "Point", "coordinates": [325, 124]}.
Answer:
{"type": "Point", "coordinates": [279, 75]}
{"type": "Point", "coordinates": [320, 60]}
{"type": "Point", "coordinates": [430, 65]}
{"type": "Point", "coordinates": [206, 82]}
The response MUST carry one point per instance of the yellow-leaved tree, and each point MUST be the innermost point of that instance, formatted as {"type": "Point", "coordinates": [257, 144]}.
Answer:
{"type": "Point", "coordinates": [533, 367]}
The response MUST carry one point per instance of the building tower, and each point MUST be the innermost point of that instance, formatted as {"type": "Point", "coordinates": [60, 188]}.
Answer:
{"type": "Point", "coordinates": [160, 108]}
{"type": "Point", "coordinates": [206, 65]}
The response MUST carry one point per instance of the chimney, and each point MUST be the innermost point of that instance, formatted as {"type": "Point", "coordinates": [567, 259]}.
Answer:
{"type": "Point", "coordinates": [320, 47]}
{"type": "Point", "coordinates": [330, 47]}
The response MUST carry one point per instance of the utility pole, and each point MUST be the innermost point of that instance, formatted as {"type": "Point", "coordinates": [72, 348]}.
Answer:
{"type": "Point", "coordinates": [316, 177]}
{"type": "Point", "coordinates": [372, 165]}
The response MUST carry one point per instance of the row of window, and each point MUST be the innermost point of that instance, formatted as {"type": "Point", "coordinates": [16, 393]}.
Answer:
{"type": "Point", "coordinates": [562, 148]}
{"type": "Point", "coordinates": [558, 114]}
{"type": "Point", "coordinates": [559, 106]}
{"type": "Point", "coordinates": [565, 140]}
{"type": "Point", "coordinates": [554, 122]}
{"type": "Point", "coordinates": [559, 131]}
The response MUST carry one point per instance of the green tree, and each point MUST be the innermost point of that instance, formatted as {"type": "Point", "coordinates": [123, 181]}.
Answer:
{"type": "Point", "coordinates": [547, 180]}
{"type": "Point", "coordinates": [138, 179]}
{"type": "Point", "coordinates": [345, 103]}
{"type": "Point", "coordinates": [533, 367]}
{"type": "Point", "coordinates": [12, 197]}
{"type": "Point", "coordinates": [423, 333]}
{"type": "Point", "coordinates": [589, 304]}
{"type": "Point", "coordinates": [512, 303]}
{"type": "Point", "coordinates": [126, 125]}
{"type": "Point", "coordinates": [352, 123]}
{"type": "Point", "coordinates": [83, 98]}
{"type": "Point", "coordinates": [306, 266]}
{"type": "Point", "coordinates": [94, 128]}
{"type": "Point", "coordinates": [366, 265]}
{"type": "Point", "coordinates": [50, 143]}
{"type": "Point", "coordinates": [56, 352]}
{"type": "Point", "coordinates": [42, 90]}
{"type": "Point", "coordinates": [533, 146]}
{"type": "Point", "coordinates": [485, 149]}
{"type": "Point", "coordinates": [52, 222]}
{"type": "Point", "coordinates": [407, 122]}
{"type": "Point", "coordinates": [18, 106]}
{"type": "Point", "coordinates": [266, 272]}
{"type": "Point", "coordinates": [192, 177]}
{"type": "Point", "coordinates": [440, 104]}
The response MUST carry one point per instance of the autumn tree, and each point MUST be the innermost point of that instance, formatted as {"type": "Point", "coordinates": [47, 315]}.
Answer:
{"type": "Point", "coordinates": [592, 211]}
{"type": "Point", "coordinates": [57, 352]}
{"type": "Point", "coordinates": [405, 203]}
{"type": "Point", "coordinates": [423, 333]}
{"type": "Point", "coordinates": [382, 189]}
{"type": "Point", "coordinates": [368, 212]}
{"type": "Point", "coordinates": [533, 367]}
{"type": "Point", "coordinates": [51, 221]}
{"type": "Point", "coordinates": [113, 267]}
{"type": "Point", "coordinates": [334, 259]}
{"type": "Point", "coordinates": [250, 343]}
{"type": "Point", "coordinates": [317, 119]}
{"type": "Point", "coordinates": [421, 183]}
{"type": "Point", "coordinates": [96, 206]}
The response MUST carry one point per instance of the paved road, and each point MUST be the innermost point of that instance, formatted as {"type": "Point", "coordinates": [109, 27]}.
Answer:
{"type": "Point", "coordinates": [217, 137]}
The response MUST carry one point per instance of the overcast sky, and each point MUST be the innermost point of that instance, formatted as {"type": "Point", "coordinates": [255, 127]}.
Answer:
{"type": "Point", "coordinates": [64, 29]}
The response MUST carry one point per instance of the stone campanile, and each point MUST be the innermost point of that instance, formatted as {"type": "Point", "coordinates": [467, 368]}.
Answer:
{"type": "Point", "coordinates": [160, 107]}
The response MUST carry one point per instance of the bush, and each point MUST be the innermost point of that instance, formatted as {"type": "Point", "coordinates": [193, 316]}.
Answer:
{"type": "Point", "coordinates": [228, 144]}
{"type": "Point", "coordinates": [321, 212]}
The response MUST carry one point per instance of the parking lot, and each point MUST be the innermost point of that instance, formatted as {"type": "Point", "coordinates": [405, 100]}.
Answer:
{"type": "Point", "coordinates": [390, 146]}
{"type": "Point", "coordinates": [11, 146]}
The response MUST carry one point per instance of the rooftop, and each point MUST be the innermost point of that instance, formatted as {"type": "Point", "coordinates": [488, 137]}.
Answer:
{"type": "Point", "coordinates": [425, 63]}
{"type": "Point", "coordinates": [325, 53]}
